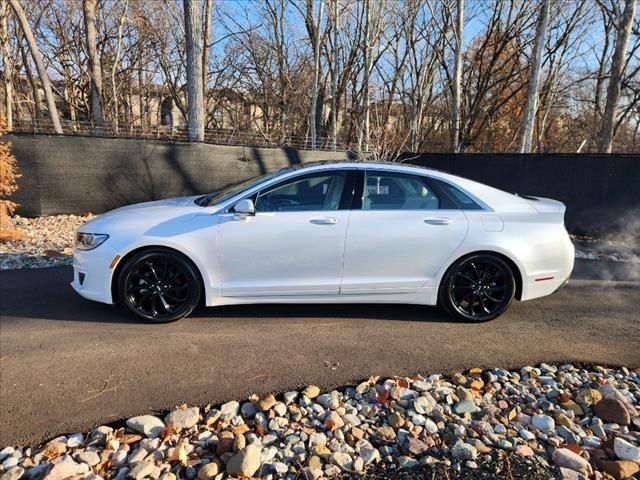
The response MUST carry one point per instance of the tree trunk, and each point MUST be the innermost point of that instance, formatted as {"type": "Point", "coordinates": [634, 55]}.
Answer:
{"type": "Point", "coordinates": [457, 79]}
{"type": "Point", "coordinates": [206, 47]}
{"type": "Point", "coordinates": [529, 117]}
{"type": "Point", "coordinates": [193, 33]}
{"type": "Point", "coordinates": [114, 67]}
{"type": "Point", "coordinates": [95, 69]}
{"type": "Point", "coordinates": [605, 137]}
{"type": "Point", "coordinates": [316, 75]}
{"type": "Point", "coordinates": [363, 140]}
{"type": "Point", "coordinates": [7, 69]}
{"type": "Point", "coordinates": [334, 79]}
{"type": "Point", "coordinates": [37, 59]}
{"type": "Point", "coordinates": [37, 100]}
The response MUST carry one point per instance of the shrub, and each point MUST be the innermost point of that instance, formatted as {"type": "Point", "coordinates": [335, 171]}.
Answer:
{"type": "Point", "coordinates": [8, 185]}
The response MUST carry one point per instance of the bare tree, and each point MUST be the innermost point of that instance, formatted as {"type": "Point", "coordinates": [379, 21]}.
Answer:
{"type": "Point", "coordinates": [206, 45]}
{"type": "Point", "coordinates": [95, 67]}
{"type": "Point", "coordinates": [37, 59]}
{"type": "Point", "coordinates": [618, 65]}
{"type": "Point", "coordinates": [529, 117]}
{"type": "Point", "coordinates": [334, 78]}
{"type": "Point", "coordinates": [195, 91]}
{"type": "Point", "coordinates": [313, 111]}
{"type": "Point", "coordinates": [114, 67]}
{"type": "Point", "coordinates": [457, 78]}
{"type": "Point", "coordinates": [7, 69]}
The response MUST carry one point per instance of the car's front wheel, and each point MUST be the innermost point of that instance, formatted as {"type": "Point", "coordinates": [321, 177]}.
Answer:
{"type": "Point", "coordinates": [159, 286]}
{"type": "Point", "coordinates": [477, 288]}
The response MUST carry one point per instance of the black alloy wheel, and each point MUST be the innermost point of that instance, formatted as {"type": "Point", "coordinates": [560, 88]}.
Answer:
{"type": "Point", "coordinates": [477, 288]}
{"type": "Point", "coordinates": [159, 286]}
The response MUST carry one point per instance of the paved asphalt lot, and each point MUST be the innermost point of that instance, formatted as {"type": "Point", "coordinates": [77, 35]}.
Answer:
{"type": "Point", "coordinates": [67, 364]}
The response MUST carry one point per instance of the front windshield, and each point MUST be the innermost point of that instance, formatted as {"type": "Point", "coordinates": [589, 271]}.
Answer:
{"type": "Point", "coordinates": [231, 190]}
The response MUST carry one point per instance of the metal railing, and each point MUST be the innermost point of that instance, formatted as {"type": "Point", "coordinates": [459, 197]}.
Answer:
{"type": "Point", "coordinates": [231, 137]}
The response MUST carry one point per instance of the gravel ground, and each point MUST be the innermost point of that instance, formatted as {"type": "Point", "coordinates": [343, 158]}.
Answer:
{"type": "Point", "coordinates": [540, 423]}
{"type": "Point", "coordinates": [50, 243]}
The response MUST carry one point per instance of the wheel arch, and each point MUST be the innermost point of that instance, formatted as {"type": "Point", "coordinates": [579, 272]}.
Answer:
{"type": "Point", "coordinates": [123, 261]}
{"type": "Point", "coordinates": [515, 269]}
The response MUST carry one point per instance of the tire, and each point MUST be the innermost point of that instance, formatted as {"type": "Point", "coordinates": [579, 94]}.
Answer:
{"type": "Point", "coordinates": [477, 288]}
{"type": "Point", "coordinates": [159, 286]}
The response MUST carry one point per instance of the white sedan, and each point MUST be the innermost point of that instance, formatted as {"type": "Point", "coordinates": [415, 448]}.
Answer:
{"type": "Point", "coordinates": [326, 233]}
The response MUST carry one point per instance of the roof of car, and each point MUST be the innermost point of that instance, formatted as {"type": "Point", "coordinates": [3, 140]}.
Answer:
{"type": "Point", "coordinates": [356, 164]}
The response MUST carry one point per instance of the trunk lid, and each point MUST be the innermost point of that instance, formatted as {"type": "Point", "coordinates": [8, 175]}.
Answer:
{"type": "Point", "coordinates": [546, 205]}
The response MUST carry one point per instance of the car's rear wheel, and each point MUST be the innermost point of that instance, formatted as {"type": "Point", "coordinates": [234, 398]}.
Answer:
{"type": "Point", "coordinates": [477, 288]}
{"type": "Point", "coordinates": [159, 286]}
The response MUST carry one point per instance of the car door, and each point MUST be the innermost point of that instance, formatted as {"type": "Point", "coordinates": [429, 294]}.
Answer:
{"type": "Point", "coordinates": [401, 235]}
{"type": "Point", "coordinates": [294, 243]}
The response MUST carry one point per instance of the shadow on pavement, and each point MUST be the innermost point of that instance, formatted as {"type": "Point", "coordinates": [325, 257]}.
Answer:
{"type": "Point", "coordinates": [45, 294]}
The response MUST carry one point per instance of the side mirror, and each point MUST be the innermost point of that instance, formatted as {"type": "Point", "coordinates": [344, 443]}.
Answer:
{"type": "Point", "coordinates": [245, 207]}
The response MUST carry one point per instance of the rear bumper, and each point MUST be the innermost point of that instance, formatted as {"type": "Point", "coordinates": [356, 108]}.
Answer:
{"type": "Point", "coordinates": [92, 275]}
{"type": "Point", "coordinates": [552, 273]}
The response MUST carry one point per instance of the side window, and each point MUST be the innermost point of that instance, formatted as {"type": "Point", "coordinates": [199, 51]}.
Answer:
{"type": "Point", "coordinates": [396, 191]}
{"type": "Point", "coordinates": [315, 192]}
{"type": "Point", "coordinates": [461, 199]}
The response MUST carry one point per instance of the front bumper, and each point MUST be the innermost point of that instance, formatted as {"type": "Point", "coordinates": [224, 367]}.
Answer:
{"type": "Point", "coordinates": [92, 275]}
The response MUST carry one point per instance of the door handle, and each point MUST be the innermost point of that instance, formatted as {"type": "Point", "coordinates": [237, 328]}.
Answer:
{"type": "Point", "coordinates": [437, 221]}
{"type": "Point", "coordinates": [324, 221]}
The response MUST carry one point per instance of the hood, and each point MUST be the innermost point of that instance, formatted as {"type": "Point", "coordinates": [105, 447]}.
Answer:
{"type": "Point", "coordinates": [142, 216]}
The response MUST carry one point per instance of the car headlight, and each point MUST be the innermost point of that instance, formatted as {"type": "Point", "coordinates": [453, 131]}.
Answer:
{"type": "Point", "coordinates": [89, 241]}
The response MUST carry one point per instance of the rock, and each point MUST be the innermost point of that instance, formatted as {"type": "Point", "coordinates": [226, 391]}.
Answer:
{"type": "Point", "coordinates": [229, 410]}
{"type": "Point", "coordinates": [183, 419]}
{"type": "Point", "coordinates": [5, 452]}
{"type": "Point", "coordinates": [407, 463]}
{"type": "Point", "coordinates": [464, 451]}
{"type": "Point", "coordinates": [619, 469]}
{"type": "Point", "coordinates": [415, 446]}
{"type": "Point", "coordinates": [141, 470]}
{"type": "Point", "coordinates": [209, 471]}
{"type": "Point", "coordinates": [75, 440]}
{"type": "Point", "coordinates": [568, 435]}
{"type": "Point", "coordinates": [63, 467]}
{"type": "Point", "coordinates": [465, 406]}
{"type": "Point", "coordinates": [612, 410]}
{"type": "Point", "coordinates": [225, 442]}
{"type": "Point", "coordinates": [248, 410]}
{"type": "Point", "coordinates": [395, 420]}
{"type": "Point", "coordinates": [246, 462]}
{"type": "Point", "coordinates": [543, 422]}
{"type": "Point", "coordinates": [625, 450]}
{"type": "Point", "coordinates": [464, 394]}
{"type": "Point", "coordinates": [89, 457]}
{"type": "Point", "coordinates": [290, 397]}
{"type": "Point", "coordinates": [280, 409]}
{"type": "Point", "coordinates": [587, 397]}
{"type": "Point", "coordinates": [342, 460]}
{"type": "Point", "coordinates": [526, 435]}
{"type": "Point", "coordinates": [333, 421]}
{"type": "Point", "coordinates": [311, 392]}
{"type": "Point", "coordinates": [387, 434]}
{"type": "Point", "coordinates": [266, 403]}
{"type": "Point", "coordinates": [55, 449]}
{"type": "Point", "coordinates": [14, 473]}
{"type": "Point", "coordinates": [568, 474]}
{"type": "Point", "coordinates": [146, 424]}
{"type": "Point", "coordinates": [524, 451]}
{"type": "Point", "coordinates": [564, 457]}
{"type": "Point", "coordinates": [239, 442]}
{"type": "Point", "coordinates": [118, 458]}
{"type": "Point", "coordinates": [423, 405]}
{"type": "Point", "coordinates": [314, 462]}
